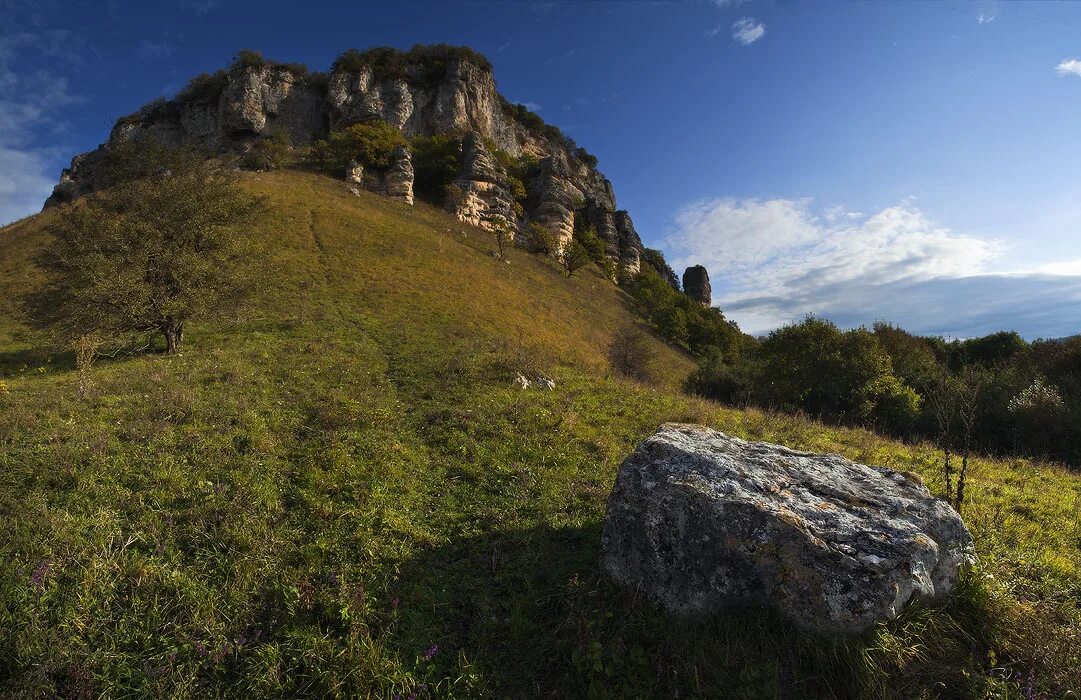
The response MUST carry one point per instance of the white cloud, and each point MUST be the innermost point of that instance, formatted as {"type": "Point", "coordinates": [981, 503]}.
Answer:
{"type": "Point", "coordinates": [531, 106]}
{"type": "Point", "coordinates": [1070, 66]}
{"type": "Point", "coordinates": [729, 3]}
{"type": "Point", "coordinates": [28, 102]}
{"type": "Point", "coordinates": [748, 30]}
{"type": "Point", "coordinates": [773, 261]}
{"type": "Point", "coordinates": [985, 18]}
{"type": "Point", "coordinates": [23, 183]}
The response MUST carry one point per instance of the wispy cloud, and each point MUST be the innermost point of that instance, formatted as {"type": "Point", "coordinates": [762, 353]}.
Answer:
{"type": "Point", "coordinates": [774, 261]}
{"type": "Point", "coordinates": [503, 47]}
{"type": "Point", "coordinates": [29, 97]}
{"type": "Point", "coordinates": [748, 30]}
{"type": "Point", "coordinates": [157, 50]}
{"type": "Point", "coordinates": [1070, 66]}
{"type": "Point", "coordinates": [531, 106]}
{"type": "Point", "coordinates": [563, 56]}
{"type": "Point", "coordinates": [985, 18]}
{"type": "Point", "coordinates": [729, 3]}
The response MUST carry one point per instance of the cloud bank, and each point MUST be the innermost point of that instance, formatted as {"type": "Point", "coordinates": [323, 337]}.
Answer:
{"type": "Point", "coordinates": [774, 261]}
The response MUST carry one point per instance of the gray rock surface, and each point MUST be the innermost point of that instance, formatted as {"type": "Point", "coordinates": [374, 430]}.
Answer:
{"type": "Point", "coordinates": [696, 284]}
{"type": "Point", "coordinates": [699, 521]}
{"type": "Point", "coordinates": [398, 180]}
{"type": "Point", "coordinates": [483, 197]}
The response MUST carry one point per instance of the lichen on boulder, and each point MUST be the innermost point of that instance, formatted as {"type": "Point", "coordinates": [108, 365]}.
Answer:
{"type": "Point", "coordinates": [700, 521]}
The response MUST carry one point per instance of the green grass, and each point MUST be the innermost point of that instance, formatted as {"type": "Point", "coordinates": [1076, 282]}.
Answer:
{"type": "Point", "coordinates": [311, 497]}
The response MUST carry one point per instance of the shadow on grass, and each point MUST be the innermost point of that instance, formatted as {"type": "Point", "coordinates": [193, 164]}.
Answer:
{"type": "Point", "coordinates": [41, 361]}
{"type": "Point", "coordinates": [533, 610]}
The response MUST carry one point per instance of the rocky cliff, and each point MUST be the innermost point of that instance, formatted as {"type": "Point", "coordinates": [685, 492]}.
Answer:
{"type": "Point", "coordinates": [428, 91]}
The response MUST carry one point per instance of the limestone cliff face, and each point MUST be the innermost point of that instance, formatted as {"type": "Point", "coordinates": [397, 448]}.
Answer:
{"type": "Point", "coordinates": [231, 111]}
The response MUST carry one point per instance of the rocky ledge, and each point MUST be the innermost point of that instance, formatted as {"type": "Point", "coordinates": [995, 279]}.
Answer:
{"type": "Point", "coordinates": [700, 521]}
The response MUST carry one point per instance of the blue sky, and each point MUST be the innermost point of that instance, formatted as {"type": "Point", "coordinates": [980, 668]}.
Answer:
{"type": "Point", "coordinates": [915, 162]}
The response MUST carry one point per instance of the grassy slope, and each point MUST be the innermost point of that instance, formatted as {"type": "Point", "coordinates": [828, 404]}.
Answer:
{"type": "Point", "coordinates": [310, 498]}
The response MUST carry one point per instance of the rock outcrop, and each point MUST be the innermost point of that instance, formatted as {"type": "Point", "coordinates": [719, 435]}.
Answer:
{"type": "Point", "coordinates": [481, 194]}
{"type": "Point", "coordinates": [427, 91]}
{"type": "Point", "coordinates": [398, 180]}
{"type": "Point", "coordinates": [696, 284]}
{"type": "Point", "coordinates": [395, 181]}
{"type": "Point", "coordinates": [699, 521]}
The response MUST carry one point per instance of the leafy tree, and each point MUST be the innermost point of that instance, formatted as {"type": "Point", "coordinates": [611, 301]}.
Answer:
{"type": "Point", "coordinates": [671, 322]}
{"type": "Point", "coordinates": [539, 239]}
{"type": "Point", "coordinates": [152, 253]}
{"type": "Point", "coordinates": [435, 165]}
{"type": "Point", "coordinates": [730, 382]}
{"type": "Point", "coordinates": [270, 153]}
{"type": "Point", "coordinates": [655, 260]}
{"type": "Point", "coordinates": [502, 236]}
{"type": "Point", "coordinates": [594, 246]}
{"type": "Point", "coordinates": [574, 257]}
{"type": "Point", "coordinates": [372, 143]}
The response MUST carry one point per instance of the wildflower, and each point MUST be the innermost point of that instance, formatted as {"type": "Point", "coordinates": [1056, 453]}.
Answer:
{"type": "Point", "coordinates": [431, 652]}
{"type": "Point", "coordinates": [201, 648]}
{"type": "Point", "coordinates": [37, 579]}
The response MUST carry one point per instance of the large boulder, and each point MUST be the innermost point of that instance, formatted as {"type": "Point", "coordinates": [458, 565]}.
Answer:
{"type": "Point", "coordinates": [700, 521]}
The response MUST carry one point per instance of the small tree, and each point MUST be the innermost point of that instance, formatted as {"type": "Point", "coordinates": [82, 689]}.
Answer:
{"type": "Point", "coordinates": [631, 355]}
{"type": "Point", "coordinates": [973, 382]}
{"type": "Point", "coordinates": [153, 252]}
{"type": "Point", "coordinates": [502, 234]}
{"type": "Point", "coordinates": [574, 257]}
{"type": "Point", "coordinates": [942, 403]}
{"type": "Point", "coordinates": [539, 239]}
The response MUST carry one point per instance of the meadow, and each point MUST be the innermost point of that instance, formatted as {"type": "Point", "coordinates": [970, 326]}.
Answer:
{"type": "Point", "coordinates": [341, 493]}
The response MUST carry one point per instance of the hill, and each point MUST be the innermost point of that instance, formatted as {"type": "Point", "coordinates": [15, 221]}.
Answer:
{"type": "Point", "coordinates": [343, 494]}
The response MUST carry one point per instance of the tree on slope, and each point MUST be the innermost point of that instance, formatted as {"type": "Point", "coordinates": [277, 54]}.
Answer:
{"type": "Point", "coordinates": [166, 244]}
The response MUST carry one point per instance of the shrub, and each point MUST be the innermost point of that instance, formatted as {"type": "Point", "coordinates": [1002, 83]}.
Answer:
{"type": "Point", "coordinates": [454, 197]}
{"type": "Point", "coordinates": [372, 143]}
{"type": "Point", "coordinates": [247, 58]}
{"type": "Point", "coordinates": [270, 153]}
{"type": "Point", "coordinates": [631, 355]}
{"type": "Point", "coordinates": [716, 379]}
{"type": "Point", "coordinates": [425, 63]}
{"type": "Point", "coordinates": [298, 70]}
{"type": "Point", "coordinates": [574, 257]}
{"type": "Point", "coordinates": [435, 165]}
{"type": "Point", "coordinates": [539, 239]}
{"type": "Point", "coordinates": [655, 260]}
{"type": "Point", "coordinates": [585, 157]}
{"type": "Point", "coordinates": [204, 87]}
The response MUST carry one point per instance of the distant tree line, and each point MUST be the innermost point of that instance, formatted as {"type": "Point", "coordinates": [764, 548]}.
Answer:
{"type": "Point", "coordinates": [995, 394]}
